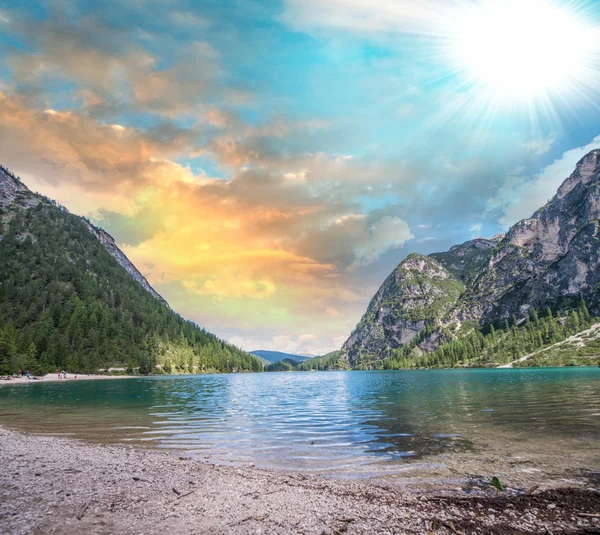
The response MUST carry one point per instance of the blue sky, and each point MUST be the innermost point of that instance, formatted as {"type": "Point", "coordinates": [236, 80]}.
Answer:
{"type": "Point", "coordinates": [267, 164]}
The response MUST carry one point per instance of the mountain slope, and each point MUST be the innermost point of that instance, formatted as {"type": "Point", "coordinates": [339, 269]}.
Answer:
{"type": "Point", "coordinates": [285, 365]}
{"type": "Point", "coordinates": [69, 298]}
{"type": "Point", "coordinates": [417, 292]}
{"type": "Point", "coordinates": [465, 260]}
{"type": "Point", "coordinates": [551, 259]}
{"type": "Point", "coordinates": [277, 356]}
{"type": "Point", "coordinates": [553, 256]}
{"type": "Point", "coordinates": [582, 348]}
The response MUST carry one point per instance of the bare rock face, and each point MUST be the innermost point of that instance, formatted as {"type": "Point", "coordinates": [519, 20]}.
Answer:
{"type": "Point", "coordinates": [109, 244]}
{"type": "Point", "coordinates": [465, 260]}
{"type": "Point", "coordinates": [14, 192]}
{"type": "Point", "coordinates": [552, 257]}
{"type": "Point", "coordinates": [10, 187]}
{"type": "Point", "coordinates": [547, 260]}
{"type": "Point", "coordinates": [418, 291]}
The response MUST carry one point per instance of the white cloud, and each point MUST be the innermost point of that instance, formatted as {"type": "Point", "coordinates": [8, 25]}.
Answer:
{"type": "Point", "coordinates": [305, 344]}
{"type": "Point", "coordinates": [375, 18]}
{"type": "Point", "coordinates": [539, 147]}
{"type": "Point", "coordinates": [476, 230]}
{"type": "Point", "coordinates": [520, 196]}
{"type": "Point", "coordinates": [385, 234]}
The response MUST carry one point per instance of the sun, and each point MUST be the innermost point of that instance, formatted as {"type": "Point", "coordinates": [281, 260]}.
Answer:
{"type": "Point", "coordinates": [524, 48]}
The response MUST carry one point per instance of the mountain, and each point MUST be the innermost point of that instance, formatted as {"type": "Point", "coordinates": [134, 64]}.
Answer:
{"type": "Point", "coordinates": [549, 260]}
{"type": "Point", "coordinates": [70, 298]}
{"type": "Point", "coordinates": [277, 356]}
{"type": "Point", "coordinates": [285, 365]}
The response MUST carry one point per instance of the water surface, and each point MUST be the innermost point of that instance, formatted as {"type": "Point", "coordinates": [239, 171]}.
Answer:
{"type": "Point", "coordinates": [317, 421]}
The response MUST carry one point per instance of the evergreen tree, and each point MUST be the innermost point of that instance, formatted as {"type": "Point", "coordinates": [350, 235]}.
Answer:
{"type": "Point", "coordinates": [498, 346]}
{"type": "Point", "coordinates": [64, 295]}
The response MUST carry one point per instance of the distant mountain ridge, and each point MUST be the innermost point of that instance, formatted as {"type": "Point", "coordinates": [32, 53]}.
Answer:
{"type": "Point", "coordinates": [548, 260]}
{"type": "Point", "coordinates": [277, 356]}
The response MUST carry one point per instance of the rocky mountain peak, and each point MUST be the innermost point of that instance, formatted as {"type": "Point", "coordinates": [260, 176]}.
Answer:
{"type": "Point", "coordinates": [423, 264]}
{"type": "Point", "coordinates": [586, 171]}
{"type": "Point", "coordinates": [550, 259]}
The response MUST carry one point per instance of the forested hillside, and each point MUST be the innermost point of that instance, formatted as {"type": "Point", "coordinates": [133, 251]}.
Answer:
{"type": "Point", "coordinates": [545, 338]}
{"type": "Point", "coordinates": [500, 346]}
{"type": "Point", "coordinates": [285, 365]}
{"type": "Point", "coordinates": [66, 303]}
{"type": "Point", "coordinates": [329, 362]}
{"type": "Point", "coordinates": [437, 310]}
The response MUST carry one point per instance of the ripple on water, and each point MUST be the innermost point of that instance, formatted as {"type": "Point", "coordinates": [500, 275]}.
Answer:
{"type": "Point", "coordinates": [323, 421]}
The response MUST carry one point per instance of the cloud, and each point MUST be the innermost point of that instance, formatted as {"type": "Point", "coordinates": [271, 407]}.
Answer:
{"type": "Point", "coordinates": [304, 344]}
{"type": "Point", "coordinates": [476, 230]}
{"type": "Point", "coordinates": [374, 19]}
{"type": "Point", "coordinates": [231, 253]}
{"type": "Point", "coordinates": [112, 68]}
{"type": "Point", "coordinates": [540, 147]}
{"type": "Point", "coordinates": [520, 196]}
{"type": "Point", "coordinates": [385, 234]}
{"type": "Point", "coordinates": [69, 153]}
{"type": "Point", "coordinates": [223, 288]}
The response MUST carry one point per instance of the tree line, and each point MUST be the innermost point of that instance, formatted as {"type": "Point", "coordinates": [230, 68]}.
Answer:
{"type": "Point", "coordinates": [496, 346]}
{"type": "Point", "coordinates": [65, 303]}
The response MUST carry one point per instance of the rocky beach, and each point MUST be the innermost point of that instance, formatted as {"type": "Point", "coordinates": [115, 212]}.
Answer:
{"type": "Point", "coordinates": [54, 377]}
{"type": "Point", "coordinates": [60, 485]}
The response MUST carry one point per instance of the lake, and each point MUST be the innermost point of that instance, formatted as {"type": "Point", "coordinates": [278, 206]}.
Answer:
{"type": "Point", "coordinates": [319, 421]}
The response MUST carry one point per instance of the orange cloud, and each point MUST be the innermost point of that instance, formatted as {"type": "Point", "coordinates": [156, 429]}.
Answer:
{"type": "Point", "coordinates": [257, 250]}
{"type": "Point", "coordinates": [112, 68]}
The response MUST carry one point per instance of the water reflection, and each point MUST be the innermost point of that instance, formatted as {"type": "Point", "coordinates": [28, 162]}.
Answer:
{"type": "Point", "coordinates": [316, 421]}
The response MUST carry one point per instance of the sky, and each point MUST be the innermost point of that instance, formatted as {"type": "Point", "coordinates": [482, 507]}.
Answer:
{"type": "Point", "coordinates": [266, 164]}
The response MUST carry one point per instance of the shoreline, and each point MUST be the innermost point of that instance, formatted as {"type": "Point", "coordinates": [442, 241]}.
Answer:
{"type": "Point", "coordinates": [53, 378]}
{"type": "Point", "coordinates": [53, 484]}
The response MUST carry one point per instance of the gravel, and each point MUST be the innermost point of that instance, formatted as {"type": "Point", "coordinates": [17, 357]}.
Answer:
{"type": "Point", "coordinates": [60, 485]}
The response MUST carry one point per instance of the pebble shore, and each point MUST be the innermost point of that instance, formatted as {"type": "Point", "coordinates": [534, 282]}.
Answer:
{"type": "Point", "coordinates": [60, 485]}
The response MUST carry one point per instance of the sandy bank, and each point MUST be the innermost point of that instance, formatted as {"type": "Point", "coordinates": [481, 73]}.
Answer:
{"type": "Point", "coordinates": [58, 485]}
{"type": "Point", "coordinates": [53, 377]}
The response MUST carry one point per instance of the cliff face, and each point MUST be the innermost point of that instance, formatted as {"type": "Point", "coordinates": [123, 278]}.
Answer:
{"type": "Point", "coordinates": [14, 192]}
{"type": "Point", "coordinates": [10, 188]}
{"type": "Point", "coordinates": [543, 261]}
{"type": "Point", "coordinates": [465, 260]}
{"type": "Point", "coordinates": [108, 242]}
{"type": "Point", "coordinates": [550, 257]}
{"type": "Point", "coordinates": [418, 291]}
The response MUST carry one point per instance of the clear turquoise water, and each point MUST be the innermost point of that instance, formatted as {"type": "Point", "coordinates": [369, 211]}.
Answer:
{"type": "Point", "coordinates": [316, 421]}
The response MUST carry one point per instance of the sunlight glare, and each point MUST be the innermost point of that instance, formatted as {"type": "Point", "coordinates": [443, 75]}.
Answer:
{"type": "Point", "coordinates": [520, 49]}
